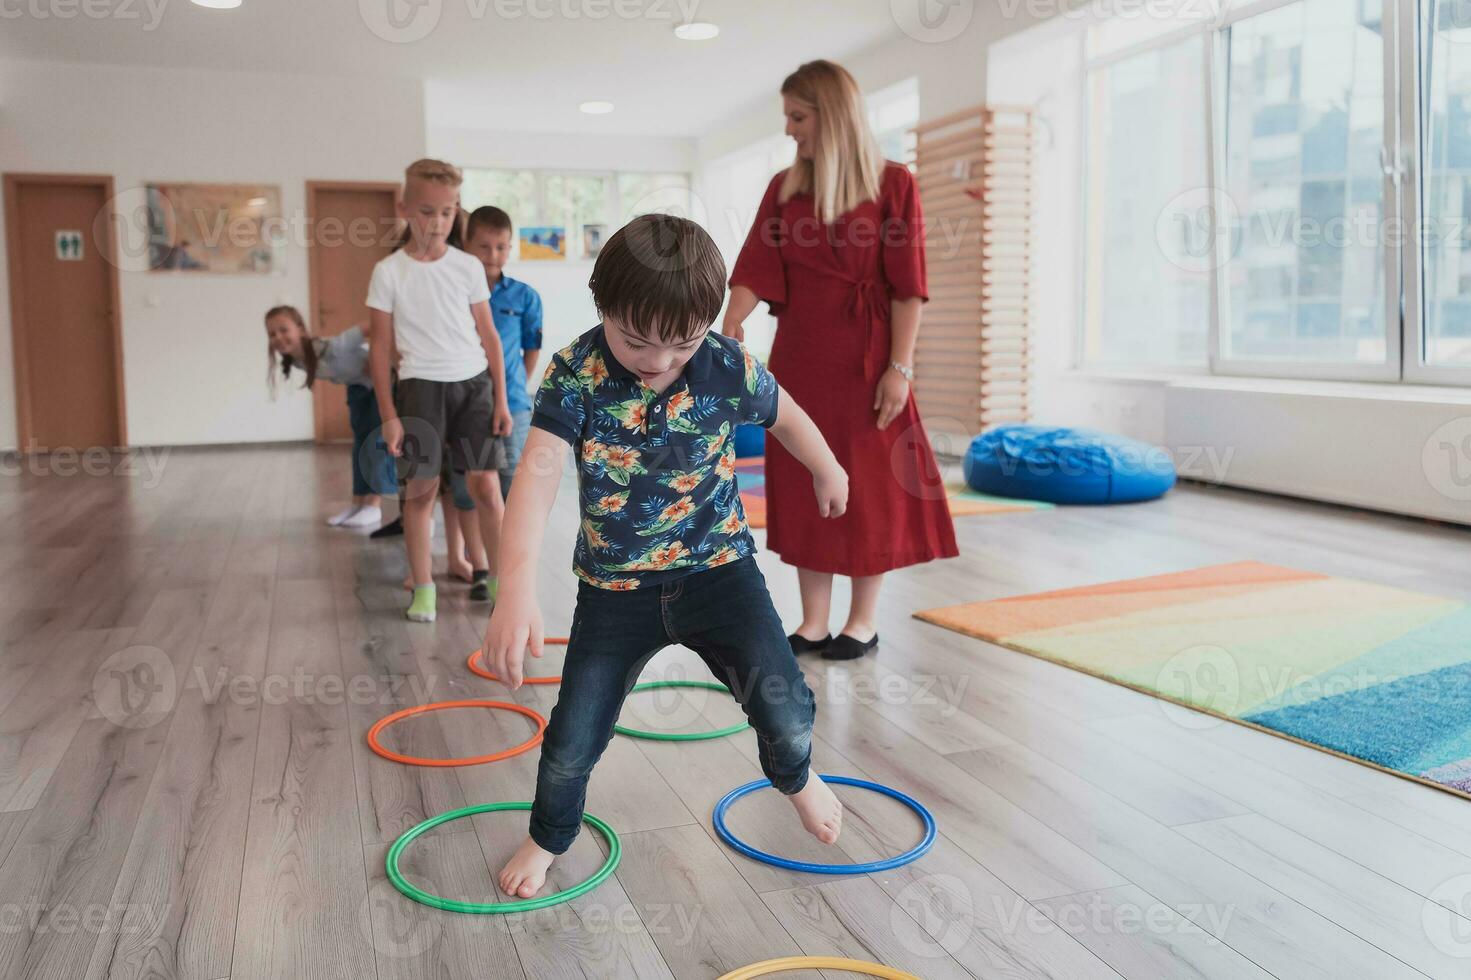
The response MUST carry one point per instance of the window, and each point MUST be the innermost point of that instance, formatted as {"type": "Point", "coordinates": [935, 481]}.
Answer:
{"type": "Point", "coordinates": [1147, 261]}
{"type": "Point", "coordinates": [647, 193]}
{"type": "Point", "coordinates": [513, 191]}
{"type": "Point", "coordinates": [573, 201]}
{"type": "Point", "coordinates": [893, 112]}
{"type": "Point", "coordinates": [1445, 57]}
{"type": "Point", "coordinates": [1283, 189]}
{"type": "Point", "coordinates": [1305, 278]}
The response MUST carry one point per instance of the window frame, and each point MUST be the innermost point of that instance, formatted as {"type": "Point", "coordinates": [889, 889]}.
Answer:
{"type": "Point", "coordinates": [1410, 150]}
{"type": "Point", "coordinates": [1218, 67]}
{"type": "Point", "coordinates": [612, 199]}
{"type": "Point", "coordinates": [1403, 207]}
{"type": "Point", "coordinates": [1091, 65]}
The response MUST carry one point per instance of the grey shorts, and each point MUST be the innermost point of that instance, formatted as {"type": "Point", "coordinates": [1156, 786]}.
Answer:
{"type": "Point", "coordinates": [446, 425]}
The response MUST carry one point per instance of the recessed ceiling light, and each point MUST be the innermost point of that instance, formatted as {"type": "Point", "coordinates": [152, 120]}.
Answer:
{"type": "Point", "coordinates": [217, 4]}
{"type": "Point", "coordinates": [697, 31]}
{"type": "Point", "coordinates": [596, 108]}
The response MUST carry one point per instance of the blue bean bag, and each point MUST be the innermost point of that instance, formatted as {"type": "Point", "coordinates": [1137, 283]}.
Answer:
{"type": "Point", "coordinates": [1066, 466]}
{"type": "Point", "coordinates": [750, 440]}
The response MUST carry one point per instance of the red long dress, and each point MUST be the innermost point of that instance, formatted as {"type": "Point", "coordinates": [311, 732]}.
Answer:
{"type": "Point", "coordinates": [830, 287]}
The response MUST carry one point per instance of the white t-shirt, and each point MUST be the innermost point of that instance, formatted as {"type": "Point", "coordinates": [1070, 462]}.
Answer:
{"type": "Point", "coordinates": [432, 323]}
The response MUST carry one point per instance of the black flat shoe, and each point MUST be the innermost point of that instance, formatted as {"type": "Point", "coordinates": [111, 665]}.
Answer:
{"type": "Point", "coordinates": [392, 529]}
{"type": "Point", "coordinates": [800, 644]}
{"type": "Point", "coordinates": [480, 585]}
{"type": "Point", "coordinates": [845, 647]}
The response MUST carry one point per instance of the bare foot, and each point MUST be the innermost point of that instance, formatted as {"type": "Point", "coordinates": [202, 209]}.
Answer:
{"type": "Point", "coordinates": [461, 570]}
{"type": "Point", "coordinates": [526, 872]}
{"type": "Point", "coordinates": [820, 810]}
{"type": "Point", "coordinates": [409, 582]}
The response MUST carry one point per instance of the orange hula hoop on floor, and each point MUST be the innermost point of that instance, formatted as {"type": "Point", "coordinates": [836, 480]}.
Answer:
{"type": "Point", "coordinates": [476, 663]}
{"type": "Point", "coordinates": [413, 760]}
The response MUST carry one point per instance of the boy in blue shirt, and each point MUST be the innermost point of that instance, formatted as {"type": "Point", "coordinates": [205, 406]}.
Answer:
{"type": "Point", "coordinates": [648, 402]}
{"type": "Point", "coordinates": [516, 309]}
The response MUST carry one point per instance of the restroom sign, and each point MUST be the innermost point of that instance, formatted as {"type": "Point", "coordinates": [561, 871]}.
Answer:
{"type": "Point", "coordinates": [69, 245]}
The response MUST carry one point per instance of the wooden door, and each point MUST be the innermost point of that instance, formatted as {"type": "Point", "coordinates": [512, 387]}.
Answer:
{"type": "Point", "coordinates": [353, 227]}
{"type": "Point", "coordinates": [63, 313]}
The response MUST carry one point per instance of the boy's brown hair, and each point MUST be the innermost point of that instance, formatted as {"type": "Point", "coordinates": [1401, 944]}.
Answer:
{"type": "Point", "coordinates": [487, 217]}
{"type": "Point", "coordinates": [660, 275]}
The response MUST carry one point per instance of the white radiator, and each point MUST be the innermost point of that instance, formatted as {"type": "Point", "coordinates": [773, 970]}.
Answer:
{"type": "Point", "coordinates": [1393, 448]}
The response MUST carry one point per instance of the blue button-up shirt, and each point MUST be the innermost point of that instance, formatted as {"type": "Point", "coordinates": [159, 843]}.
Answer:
{"type": "Point", "coordinates": [516, 309]}
{"type": "Point", "coordinates": [655, 472]}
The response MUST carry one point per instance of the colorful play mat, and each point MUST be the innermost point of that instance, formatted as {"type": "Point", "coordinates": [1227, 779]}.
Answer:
{"type": "Point", "coordinates": [1378, 674]}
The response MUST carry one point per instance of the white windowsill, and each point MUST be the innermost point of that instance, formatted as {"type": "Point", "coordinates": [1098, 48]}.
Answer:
{"type": "Point", "coordinates": [1134, 377]}
{"type": "Point", "coordinates": [1399, 391]}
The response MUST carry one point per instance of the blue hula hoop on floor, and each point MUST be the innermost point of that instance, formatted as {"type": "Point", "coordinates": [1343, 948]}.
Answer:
{"type": "Point", "coordinates": [888, 864]}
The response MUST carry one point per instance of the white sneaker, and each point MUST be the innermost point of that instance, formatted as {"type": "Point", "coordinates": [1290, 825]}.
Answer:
{"type": "Point", "coordinates": [365, 517]}
{"type": "Point", "coordinates": [338, 519]}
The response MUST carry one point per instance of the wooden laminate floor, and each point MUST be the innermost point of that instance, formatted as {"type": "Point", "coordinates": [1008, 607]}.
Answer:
{"type": "Point", "coordinates": [191, 661]}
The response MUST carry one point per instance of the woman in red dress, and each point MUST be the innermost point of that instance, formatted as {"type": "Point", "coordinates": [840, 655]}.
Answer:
{"type": "Point", "coordinates": [837, 251]}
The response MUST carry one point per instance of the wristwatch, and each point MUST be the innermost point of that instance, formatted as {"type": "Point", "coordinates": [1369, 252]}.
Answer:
{"type": "Point", "coordinates": [903, 369]}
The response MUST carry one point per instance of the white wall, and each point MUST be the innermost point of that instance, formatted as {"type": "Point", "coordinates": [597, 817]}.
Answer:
{"type": "Point", "coordinates": [193, 345]}
{"type": "Point", "coordinates": [952, 75]}
{"type": "Point", "coordinates": [1043, 69]}
{"type": "Point", "coordinates": [479, 147]}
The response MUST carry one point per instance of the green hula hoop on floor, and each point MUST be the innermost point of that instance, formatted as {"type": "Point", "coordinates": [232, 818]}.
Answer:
{"type": "Point", "coordinates": [681, 736]}
{"type": "Point", "coordinates": [615, 853]}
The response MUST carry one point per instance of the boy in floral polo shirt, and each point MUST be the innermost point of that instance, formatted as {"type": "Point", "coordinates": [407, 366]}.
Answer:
{"type": "Point", "coordinates": [648, 402]}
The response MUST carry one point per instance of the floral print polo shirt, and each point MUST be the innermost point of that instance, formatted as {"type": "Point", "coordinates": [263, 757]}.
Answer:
{"type": "Point", "coordinates": [655, 472]}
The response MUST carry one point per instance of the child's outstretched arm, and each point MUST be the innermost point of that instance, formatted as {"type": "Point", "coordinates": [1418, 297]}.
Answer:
{"type": "Point", "coordinates": [380, 366]}
{"type": "Point", "coordinates": [495, 359]}
{"type": "Point", "coordinates": [795, 430]}
{"type": "Point", "coordinates": [516, 621]}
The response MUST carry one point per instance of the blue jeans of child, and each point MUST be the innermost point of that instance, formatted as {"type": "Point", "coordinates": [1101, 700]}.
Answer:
{"type": "Point", "coordinates": [372, 467]}
{"type": "Point", "coordinates": [725, 615]}
{"type": "Point", "coordinates": [515, 446]}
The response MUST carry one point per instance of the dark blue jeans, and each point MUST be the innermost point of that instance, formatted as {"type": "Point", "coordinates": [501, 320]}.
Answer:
{"type": "Point", "coordinates": [725, 615]}
{"type": "Point", "coordinates": [372, 467]}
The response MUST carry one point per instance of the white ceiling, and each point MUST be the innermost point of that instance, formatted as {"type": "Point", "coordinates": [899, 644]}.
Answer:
{"type": "Point", "coordinates": [490, 64]}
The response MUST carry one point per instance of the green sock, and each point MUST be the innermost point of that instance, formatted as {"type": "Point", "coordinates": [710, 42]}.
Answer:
{"type": "Point", "coordinates": [425, 604]}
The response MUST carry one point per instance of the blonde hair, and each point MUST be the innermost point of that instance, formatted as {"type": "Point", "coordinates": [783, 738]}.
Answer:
{"type": "Point", "coordinates": [435, 171]}
{"type": "Point", "coordinates": [847, 167]}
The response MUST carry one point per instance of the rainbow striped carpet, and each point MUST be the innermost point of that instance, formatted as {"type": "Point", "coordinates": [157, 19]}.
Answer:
{"type": "Point", "coordinates": [1377, 674]}
{"type": "Point", "coordinates": [964, 502]}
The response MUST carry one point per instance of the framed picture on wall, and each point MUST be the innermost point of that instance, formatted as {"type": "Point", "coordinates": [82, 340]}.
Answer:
{"type": "Point", "coordinates": [220, 228]}
{"type": "Point", "coordinates": [592, 239]}
{"type": "Point", "coordinates": [543, 242]}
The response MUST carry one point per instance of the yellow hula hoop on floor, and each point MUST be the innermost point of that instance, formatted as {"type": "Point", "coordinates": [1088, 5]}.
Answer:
{"type": "Point", "coordinates": [768, 967]}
